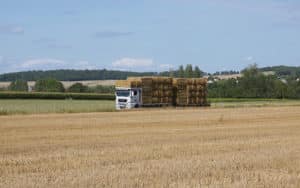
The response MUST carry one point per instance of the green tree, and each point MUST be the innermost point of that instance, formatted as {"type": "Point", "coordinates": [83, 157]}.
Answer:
{"type": "Point", "coordinates": [49, 85]}
{"type": "Point", "coordinates": [293, 89]}
{"type": "Point", "coordinates": [197, 72]}
{"type": "Point", "coordinates": [78, 88]}
{"type": "Point", "coordinates": [188, 73]}
{"type": "Point", "coordinates": [18, 85]}
{"type": "Point", "coordinates": [280, 89]}
{"type": "Point", "coordinates": [181, 71]}
{"type": "Point", "coordinates": [255, 84]}
{"type": "Point", "coordinates": [250, 81]}
{"type": "Point", "coordinates": [251, 71]}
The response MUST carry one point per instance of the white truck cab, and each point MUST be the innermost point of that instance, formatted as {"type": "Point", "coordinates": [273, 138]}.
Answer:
{"type": "Point", "coordinates": [128, 98]}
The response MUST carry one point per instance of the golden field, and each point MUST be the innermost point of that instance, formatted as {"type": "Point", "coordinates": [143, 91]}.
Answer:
{"type": "Point", "coordinates": [219, 147]}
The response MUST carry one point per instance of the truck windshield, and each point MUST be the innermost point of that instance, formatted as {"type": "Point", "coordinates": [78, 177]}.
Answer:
{"type": "Point", "coordinates": [123, 93]}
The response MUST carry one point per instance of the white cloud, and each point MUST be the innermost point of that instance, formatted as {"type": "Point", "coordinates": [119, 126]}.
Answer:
{"type": "Point", "coordinates": [133, 63]}
{"type": "Point", "coordinates": [14, 64]}
{"type": "Point", "coordinates": [52, 64]}
{"type": "Point", "coordinates": [42, 62]}
{"type": "Point", "coordinates": [84, 65]}
{"type": "Point", "coordinates": [249, 58]}
{"type": "Point", "coordinates": [11, 29]}
{"type": "Point", "coordinates": [166, 66]}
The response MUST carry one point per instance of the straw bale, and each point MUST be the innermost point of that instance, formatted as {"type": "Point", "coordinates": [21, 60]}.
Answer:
{"type": "Point", "coordinates": [190, 91]}
{"type": "Point", "coordinates": [134, 78]}
{"type": "Point", "coordinates": [155, 100]}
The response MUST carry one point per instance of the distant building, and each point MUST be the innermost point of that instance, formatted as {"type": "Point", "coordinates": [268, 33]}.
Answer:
{"type": "Point", "coordinates": [283, 81]}
{"type": "Point", "coordinates": [269, 73]}
{"type": "Point", "coordinates": [210, 82]}
{"type": "Point", "coordinates": [30, 88]}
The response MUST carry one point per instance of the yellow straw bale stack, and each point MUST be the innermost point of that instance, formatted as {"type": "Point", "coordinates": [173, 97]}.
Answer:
{"type": "Point", "coordinates": [190, 91]}
{"type": "Point", "coordinates": [157, 90]}
{"type": "Point", "coordinates": [128, 83]}
{"type": "Point", "coordinates": [168, 91]}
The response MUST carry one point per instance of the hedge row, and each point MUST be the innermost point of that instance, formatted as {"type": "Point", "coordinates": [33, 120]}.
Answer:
{"type": "Point", "coordinates": [45, 95]}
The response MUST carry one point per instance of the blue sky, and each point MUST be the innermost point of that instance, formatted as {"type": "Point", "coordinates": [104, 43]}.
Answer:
{"type": "Point", "coordinates": [149, 35]}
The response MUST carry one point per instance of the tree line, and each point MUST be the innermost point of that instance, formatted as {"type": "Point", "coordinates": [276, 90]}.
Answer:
{"type": "Point", "coordinates": [182, 71]}
{"type": "Point", "coordinates": [78, 75]}
{"type": "Point", "coordinates": [53, 85]}
{"type": "Point", "coordinates": [254, 84]}
{"type": "Point", "coordinates": [72, 75]}
{"type": "Point", "coordinates": [284, 71]}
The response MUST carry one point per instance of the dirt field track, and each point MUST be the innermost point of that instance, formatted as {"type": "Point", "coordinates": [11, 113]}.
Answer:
{"type": "Point", "coordinates": [229, 147]}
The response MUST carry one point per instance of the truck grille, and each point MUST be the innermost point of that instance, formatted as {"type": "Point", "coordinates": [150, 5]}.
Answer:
{"type": "Point", "coordinates": [122, 100]}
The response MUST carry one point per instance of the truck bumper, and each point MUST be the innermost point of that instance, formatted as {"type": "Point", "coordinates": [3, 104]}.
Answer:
{"type": "Point", "coordinates": [125, 106]}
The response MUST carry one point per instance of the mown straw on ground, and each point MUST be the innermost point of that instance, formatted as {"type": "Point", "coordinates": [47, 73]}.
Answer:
{"type": "Point", "coordinates": [231, 147]}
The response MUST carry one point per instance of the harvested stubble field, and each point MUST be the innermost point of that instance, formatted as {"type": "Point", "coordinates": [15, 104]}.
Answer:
{"type": "Point", "coordinates": [220, 147]}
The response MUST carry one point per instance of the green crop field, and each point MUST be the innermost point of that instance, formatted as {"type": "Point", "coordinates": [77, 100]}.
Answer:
{"type": "Point", "coordinates": [38, 106]}
{"type": "Point", "coordinates": [16, 106]}
{"type": "Point", "coordinates": [54, 95]}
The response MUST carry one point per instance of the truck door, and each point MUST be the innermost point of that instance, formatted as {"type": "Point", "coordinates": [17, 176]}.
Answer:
{"type": "Point", "coordinates": [136, 97]}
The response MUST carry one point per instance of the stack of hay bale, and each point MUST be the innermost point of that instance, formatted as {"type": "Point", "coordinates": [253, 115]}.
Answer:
{"type": "Point", "coordinates": [128, 83]}
{"type": "Point", "coordinates": [155, 90]}
{"type": "Point", "coordinates": [190, 92]}
{"type": "Point", "coordinates": [147, 91]}
{"type": "Point", "coordinates": [169, 91]}
{"type": "Point", "coordinates": [158, 90]}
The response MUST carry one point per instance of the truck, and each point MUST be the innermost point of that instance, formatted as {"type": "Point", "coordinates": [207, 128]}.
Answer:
{"type": "Point", "coordinates": [136, 92]}
{"type": "Point", "coordinates": [128, 98]}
